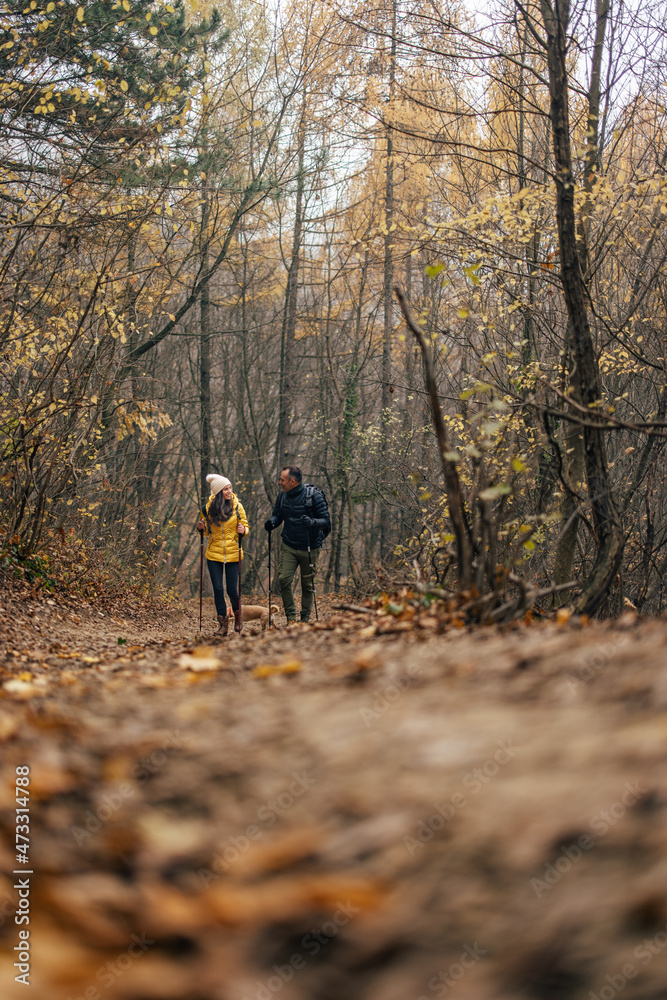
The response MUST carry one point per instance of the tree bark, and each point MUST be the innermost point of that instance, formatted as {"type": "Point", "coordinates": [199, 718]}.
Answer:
{"type": "Point", "coordinates": [449, 470]}
{"type": "Point", "coordinates": [605, 515]}
{"type": "Point", "coordinates": [286, 451]}
{"type": "Point", "coordinates": [204, 352]}
{"type": "Point", "coordinates": [574, 439]}
{"type": "Point", "coordinates": [388, 285]}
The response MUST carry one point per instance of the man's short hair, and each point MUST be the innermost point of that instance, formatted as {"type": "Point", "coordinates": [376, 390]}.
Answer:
{"type": "Point", "coordinates": [294, 472]}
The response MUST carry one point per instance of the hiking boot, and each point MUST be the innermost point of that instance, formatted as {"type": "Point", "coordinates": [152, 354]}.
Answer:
{"type": "Point", "coordinates": [223, 625]}
{"type": "Point", "coordinates": [238, 625]}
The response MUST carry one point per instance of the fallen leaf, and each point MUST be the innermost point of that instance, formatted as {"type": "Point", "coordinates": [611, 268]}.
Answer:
{"type": "Point", "coordinates": [279, 852]}
{"type": "Point", "coordinates": [290, 666]}
{"type": "Point", "coordinates": [22, 689]}
{"type": "Point", "coordinates": [9, 725]}
{"type": "Point", "coordinates": [202, 658]}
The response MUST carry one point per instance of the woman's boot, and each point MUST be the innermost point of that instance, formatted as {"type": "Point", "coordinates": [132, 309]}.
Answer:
{"type": "Point", "coordinates": [223, 624]}
{"type": "Point", "coordinates": [237, 621]}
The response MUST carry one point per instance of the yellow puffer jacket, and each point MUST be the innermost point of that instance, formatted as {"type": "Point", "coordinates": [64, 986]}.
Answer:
{"type": "Point", "coordinates": [223, 543]}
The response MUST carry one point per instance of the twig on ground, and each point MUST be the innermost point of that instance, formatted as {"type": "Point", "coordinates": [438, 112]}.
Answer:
{"type": "Point", "coordinates": [529, 594]}
{"type": "Point", "coordinates": [354, 607]}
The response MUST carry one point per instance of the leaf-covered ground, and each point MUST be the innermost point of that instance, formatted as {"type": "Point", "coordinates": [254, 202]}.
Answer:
{"type": "Point", "coordinates": [369, 808]}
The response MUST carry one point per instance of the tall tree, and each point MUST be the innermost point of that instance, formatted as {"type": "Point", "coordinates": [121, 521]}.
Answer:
{"type": "Point", "coordinates": [388, 269]}
{"type": "Point", "coordinates": [556, 22]}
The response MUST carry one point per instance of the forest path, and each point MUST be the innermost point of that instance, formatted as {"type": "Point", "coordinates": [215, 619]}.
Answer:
{"type": "Point", "coordinates": [335, 811]}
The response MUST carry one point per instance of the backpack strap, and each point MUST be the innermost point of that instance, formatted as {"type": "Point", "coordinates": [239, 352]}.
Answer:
{"type": "Point", "coordinates": [204, 507]}
{"type": "Point", "coordinates": [310, 502]}
{"type": "Point", "coordinates": [310, 490]}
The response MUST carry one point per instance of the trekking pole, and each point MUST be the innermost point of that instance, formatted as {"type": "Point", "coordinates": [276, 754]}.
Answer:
{"type": "Point", "coordinates": [240, 540]}
{"type": "Point", "coordinates": [204, 517]}
{"type": "Point", "coordinates": [312, 577]}
{"type": "Point", "coordinates": [201, 573]}
{"type": "Point", "coordinates": [269, 534]}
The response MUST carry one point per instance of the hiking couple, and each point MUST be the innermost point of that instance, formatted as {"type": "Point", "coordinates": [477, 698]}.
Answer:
{"type": "Point", "coordinates": [303, 511]}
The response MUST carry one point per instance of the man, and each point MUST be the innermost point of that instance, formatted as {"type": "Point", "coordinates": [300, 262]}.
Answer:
{"type": "Point", "coordinates": [303, 511]}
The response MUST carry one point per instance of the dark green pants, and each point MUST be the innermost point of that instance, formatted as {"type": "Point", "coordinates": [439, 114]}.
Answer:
{"type": "Point", "coordinates": [290, 559]}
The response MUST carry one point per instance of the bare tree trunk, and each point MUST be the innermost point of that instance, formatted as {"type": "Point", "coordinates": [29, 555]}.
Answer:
{"type": "Point", "coordinates": [262, 452]}
{"type": "Point", "coordinates": [592, 159]}
{"type": "Point", "coordinates": [605, 515]}
{"type": "Point", "coordinates": [574, 438]}
{"type": "Point", "coordinates": [205, 352]}
{"type": "Point", "coordinates": [388, 286]}
{"type": "Point", "coordinates": [450, 472]}
{"type": "Point", "coordinates": [286, 453]}
{"type": "Point", "coordinates": [573, 474]}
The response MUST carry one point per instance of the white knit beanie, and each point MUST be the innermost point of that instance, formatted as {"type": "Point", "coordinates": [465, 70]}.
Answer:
{"type": "Point", "coordinates": [217, 483]}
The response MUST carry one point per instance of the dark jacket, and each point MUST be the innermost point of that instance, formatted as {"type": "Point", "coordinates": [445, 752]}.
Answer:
{"type": "Point", "coordinates": [290, 508]}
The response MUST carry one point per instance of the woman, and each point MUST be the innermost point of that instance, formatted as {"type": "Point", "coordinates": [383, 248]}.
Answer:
{"type": "Point", "coordinates": [228, 522]}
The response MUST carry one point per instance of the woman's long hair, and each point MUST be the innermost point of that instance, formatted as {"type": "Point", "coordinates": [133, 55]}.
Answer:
{"type": "Point", "coordinates": [221, 509]}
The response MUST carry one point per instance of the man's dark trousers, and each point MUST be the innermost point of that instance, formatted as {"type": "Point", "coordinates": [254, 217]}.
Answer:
{"type": "Point", "coordinates": [290, 559]}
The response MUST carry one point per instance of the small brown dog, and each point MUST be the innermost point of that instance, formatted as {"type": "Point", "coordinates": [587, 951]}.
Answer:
{"type": "Point", "coordinates": [255, 612]}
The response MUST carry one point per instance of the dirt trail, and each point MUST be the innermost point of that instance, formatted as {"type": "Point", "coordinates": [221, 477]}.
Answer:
{"type": "Point", "coordinates": [362, 809]}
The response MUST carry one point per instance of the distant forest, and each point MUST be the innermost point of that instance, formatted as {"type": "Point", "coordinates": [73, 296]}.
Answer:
{"type": "Point", "coordinates": [234, 237]}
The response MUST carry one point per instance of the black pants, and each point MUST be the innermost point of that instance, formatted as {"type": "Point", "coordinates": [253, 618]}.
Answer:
{"type": "Point", "coordinates": [231, 572]}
